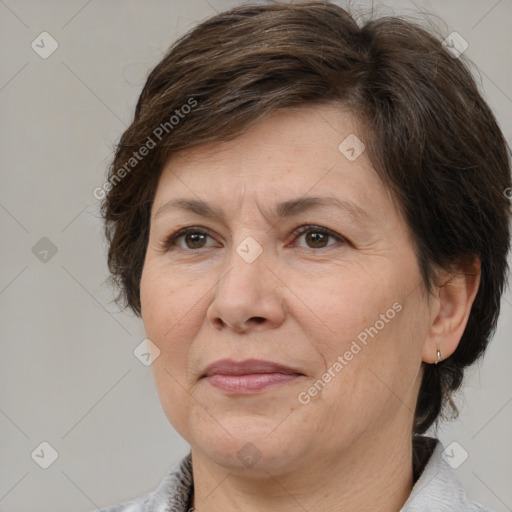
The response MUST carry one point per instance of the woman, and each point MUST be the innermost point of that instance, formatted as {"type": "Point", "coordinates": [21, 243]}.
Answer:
{"type": "Point", "coordinates": [309, 217]}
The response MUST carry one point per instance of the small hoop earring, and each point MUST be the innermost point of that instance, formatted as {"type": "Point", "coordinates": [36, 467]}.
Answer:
{"type": "Point", "coordinates": [438, 356]}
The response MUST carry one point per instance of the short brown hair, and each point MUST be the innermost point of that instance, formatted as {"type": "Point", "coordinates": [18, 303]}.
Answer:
{"type": "Point", "coordinates": [429, 135]}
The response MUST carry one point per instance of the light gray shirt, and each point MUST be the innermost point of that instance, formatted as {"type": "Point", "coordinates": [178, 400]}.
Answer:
{"type": "Point", "coordinates": [436, 490]}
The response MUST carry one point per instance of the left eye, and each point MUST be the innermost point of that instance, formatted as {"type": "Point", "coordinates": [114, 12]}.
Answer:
{"type": "Point", "coordinates": [194, 239]}
{"type": "Point", "coordinates": [316, 236]}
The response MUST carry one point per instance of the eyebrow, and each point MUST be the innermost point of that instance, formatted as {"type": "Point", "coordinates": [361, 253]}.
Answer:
{"type": "Point", "coordinates": [281, 210]}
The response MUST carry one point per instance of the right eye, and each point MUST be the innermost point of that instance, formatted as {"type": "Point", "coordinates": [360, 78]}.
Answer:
{"type": "Point", "coordinates": [193, 238]}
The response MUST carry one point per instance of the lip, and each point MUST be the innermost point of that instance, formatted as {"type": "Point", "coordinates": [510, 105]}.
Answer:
{"type": "Point", "coordinates": [249, 376]}
{"type": "Point", "coordinates": [247, 367]}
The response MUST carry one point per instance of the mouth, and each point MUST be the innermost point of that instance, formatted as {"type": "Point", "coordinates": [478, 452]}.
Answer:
{"type": "Point", "coordinates": [248, 376]}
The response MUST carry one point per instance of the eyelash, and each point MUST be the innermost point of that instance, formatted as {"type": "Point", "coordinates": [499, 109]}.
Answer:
{"type": "Point", "coordinates": [170, 242]}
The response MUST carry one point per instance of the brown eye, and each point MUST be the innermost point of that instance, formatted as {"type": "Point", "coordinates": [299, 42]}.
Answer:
{"type": "Point", "coordinates": [192, 237]}
{"type": "Point", "coordinates": [194, 240]}
{"type": "Point", "coordinates": [317, 237]}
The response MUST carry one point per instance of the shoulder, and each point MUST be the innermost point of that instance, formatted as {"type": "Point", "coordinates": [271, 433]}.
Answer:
{"type": "Point", "coordinates": [138, 505]}
{"type": "Point", "coordinates": [439, 490]}
{"type": "Point", "coordinates": [172, 495]}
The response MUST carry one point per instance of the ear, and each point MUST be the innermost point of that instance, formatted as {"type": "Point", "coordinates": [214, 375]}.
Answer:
{"type": "Point", "coordinates": [451, 310]}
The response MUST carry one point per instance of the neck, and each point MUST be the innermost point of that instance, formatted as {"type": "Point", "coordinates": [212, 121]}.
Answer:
{"type": "Point", "coordinates": [365, 476]}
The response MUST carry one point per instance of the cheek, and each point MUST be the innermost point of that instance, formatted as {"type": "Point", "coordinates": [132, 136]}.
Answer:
{"type": "Point", "coordinates": [349, 308]}
{"type": "Point", "coordinates": [167, 313]}
{"type": "Point", "coordinates": [164, 313]}
{"type": "Point", "coordinates": [374, 329]}
{"type": "Point", "coordinates": [166, 300]}
{"type": "Point", "coordinates": [383, 373]}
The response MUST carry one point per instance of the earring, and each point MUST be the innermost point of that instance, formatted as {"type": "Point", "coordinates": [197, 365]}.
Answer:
{"type": "Point", "coordinates": [438, 356]}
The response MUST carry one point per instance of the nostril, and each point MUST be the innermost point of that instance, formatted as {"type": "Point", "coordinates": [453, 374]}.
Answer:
{"type": "Point", "coordinates": [258, 319]}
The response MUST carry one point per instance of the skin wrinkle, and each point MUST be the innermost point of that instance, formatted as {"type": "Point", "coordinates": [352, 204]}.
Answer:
{"type": "Point", "coordinates": [445, 165]}
{"type": "Point", "coordinates": [350, 448]}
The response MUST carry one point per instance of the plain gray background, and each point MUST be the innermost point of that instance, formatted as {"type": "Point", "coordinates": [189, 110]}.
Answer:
{"type": "Point", "coordinates": [68, 375]}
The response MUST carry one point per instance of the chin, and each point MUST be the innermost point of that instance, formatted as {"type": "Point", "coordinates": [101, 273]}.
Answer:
{"type": "Point", "coordinates": [249, 444]}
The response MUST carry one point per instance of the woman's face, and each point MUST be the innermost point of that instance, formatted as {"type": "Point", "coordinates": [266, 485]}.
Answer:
{"type": "Point", "coordinates": [340, 302]}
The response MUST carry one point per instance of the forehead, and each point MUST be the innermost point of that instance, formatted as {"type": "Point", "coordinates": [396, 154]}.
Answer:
{"type": "Point", "coordinates": [304, 152]}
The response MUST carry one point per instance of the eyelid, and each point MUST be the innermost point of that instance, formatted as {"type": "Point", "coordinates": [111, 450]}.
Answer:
{"type": "Point", "coordinates": [312, 227]}
{"type": "Point", "coordinates": [319, 229]}
{"type": "Point", "coordinates": [169, 242]}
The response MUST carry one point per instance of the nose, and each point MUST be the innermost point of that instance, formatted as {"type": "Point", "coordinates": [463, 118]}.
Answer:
{"type": "Point", "coordinates": [248, 296]}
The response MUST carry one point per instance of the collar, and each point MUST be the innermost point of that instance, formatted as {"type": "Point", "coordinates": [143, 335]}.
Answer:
{"type": "Point", "coordinates": [437, 488]}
